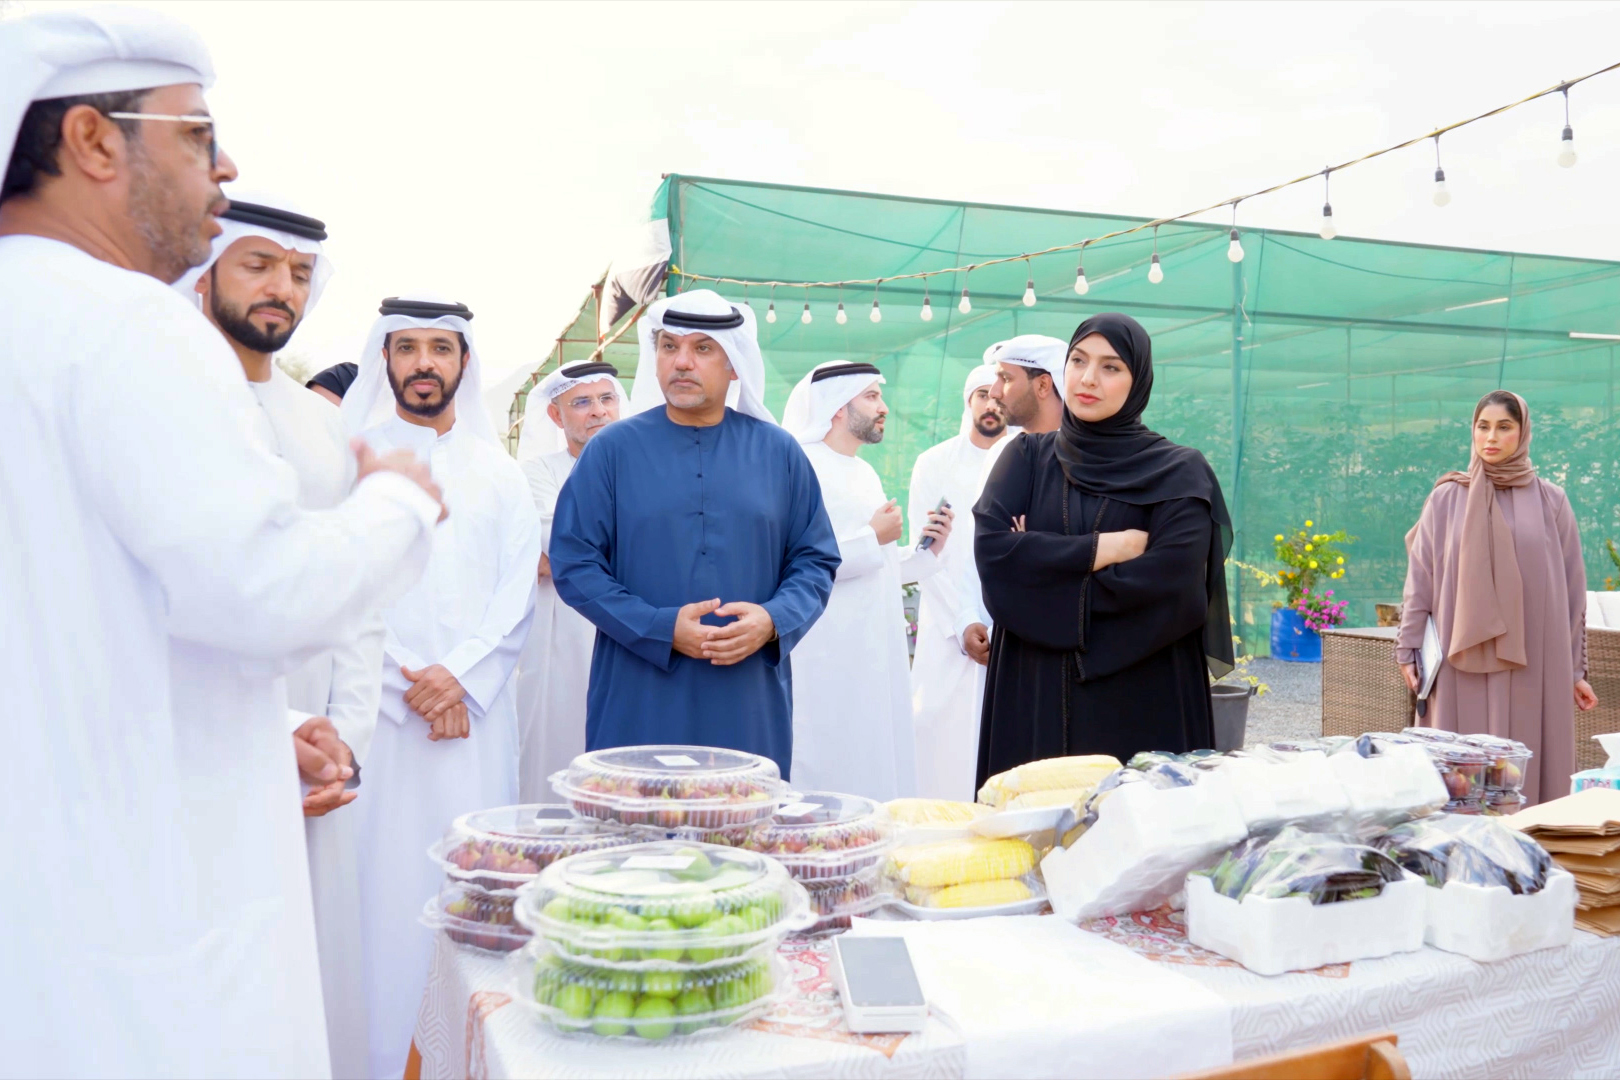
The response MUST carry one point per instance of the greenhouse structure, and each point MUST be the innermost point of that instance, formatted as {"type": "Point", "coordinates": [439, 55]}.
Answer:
{"type": "Point", "coordinates": [1329, 380]}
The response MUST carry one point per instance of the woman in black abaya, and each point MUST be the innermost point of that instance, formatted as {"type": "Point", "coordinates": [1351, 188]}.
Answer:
{"type": "Point", "coordinates": [1101, 548]}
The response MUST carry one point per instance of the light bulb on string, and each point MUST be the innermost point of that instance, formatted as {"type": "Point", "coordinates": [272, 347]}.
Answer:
{"type": "Point", "coordinates": [1155, 271]}
{"type": "Point", "coordinates": [927, 313]}
{"type": "Point", "coordinates": [770, 312]}
{"type": "Point", "coordinates": [1081, 285]}
{"type": "Point", "coordinates": [1566, 145]}
{"type": "Point", "coordinates": [1441, 195]}
{"type": "Point", "coordinates": [877, 312]}
{"type": "Point", "coordinates": [1327, 231]}
{"type": "Point", "coordinates": [965, 305]}
{"type": "Point", "coordinates": [1234, 249]}
{"type": "Point", "coordinates": [1029, 286]}
{"type": "Point", "coordinates": [841, 318]}
{"type": "Point", "coordinates": [805, 318]}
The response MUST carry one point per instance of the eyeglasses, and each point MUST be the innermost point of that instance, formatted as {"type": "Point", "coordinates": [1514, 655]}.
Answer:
{"type": "Point", "coordinates": [213, 129]}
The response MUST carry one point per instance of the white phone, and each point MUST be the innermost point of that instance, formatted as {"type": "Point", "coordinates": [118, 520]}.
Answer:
{"type": "Point", "coordinates": [878, 985]}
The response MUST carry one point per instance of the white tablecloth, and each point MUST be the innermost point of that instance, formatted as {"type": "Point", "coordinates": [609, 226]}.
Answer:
{"type": "Point", "coordinates": [1550, 1013]}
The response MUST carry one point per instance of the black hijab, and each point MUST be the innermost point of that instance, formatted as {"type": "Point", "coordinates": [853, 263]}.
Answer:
{"type": "Point", "coordinates": [1121, 458]}
{"type": "Point", "coordinates": [337, 378]}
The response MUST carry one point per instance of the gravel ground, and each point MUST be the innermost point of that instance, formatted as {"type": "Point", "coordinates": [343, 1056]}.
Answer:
{"type": "Point", "coordinates": [1292, 709]}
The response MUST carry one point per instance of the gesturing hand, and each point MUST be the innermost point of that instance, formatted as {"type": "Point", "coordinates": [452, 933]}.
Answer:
{"type": "Point", "coordinates": [737, 641]}
{"type": "Point", "coordinates": [690, 633]}
{"type": "Point", "coordinates": [451, 724]}
{"type": "Point", "coordinates": [886, 522]}
{"type": "Point", "coordinates": [398, 461]}
{"type": "Point", "coordinates": [436, 690]}
{"type": "Point", "coordinates": [976, 643]}
{"type": "Point", "coordinates": [324, 761]}
{"type": "Point", "coordinates": [939, 527]}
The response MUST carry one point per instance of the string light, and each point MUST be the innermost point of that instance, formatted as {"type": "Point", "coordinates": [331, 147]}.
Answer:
{"type": "Point", "coordinates": [1327, 231]}
{"type": "Point", "coordinates": [927, 313]}
{"type": "Point", "coordinates": [1155, 271]}
{"type": "Point", "coordinates": [1029, 286]}
{"type": "Point", "coordinates": [877, 312]}
{"type": "Point", "coordinates": [1441, 195]}
{"type": "Point", "coordinates": [1234, 249]}
{"type": "Point", "coordinates": [1081, 285]}
{"type": "Point", "coordinates": [805, 318]}
{"type": "Point", "coordinates": [965, 305]}
{"type": "Point", "coordinates": [770, 312]}
{"type": "Point", "coordinates": [1566, 145]}
{"type": "Point", "coordinates": [841, 318]}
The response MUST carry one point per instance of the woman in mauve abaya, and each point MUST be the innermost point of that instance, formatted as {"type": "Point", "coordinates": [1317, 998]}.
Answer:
{"type": "Point", "coordinates": [1495, 558]}
{"type": "Point", "coordinates": [1101, 548]}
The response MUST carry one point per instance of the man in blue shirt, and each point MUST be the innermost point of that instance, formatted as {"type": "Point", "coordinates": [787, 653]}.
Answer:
{"type": "Point", "coordinates": [693, 536]}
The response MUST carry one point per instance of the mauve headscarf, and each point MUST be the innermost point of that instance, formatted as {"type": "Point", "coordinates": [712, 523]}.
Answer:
{"type": "Point", "coordinates": [1487, 630]}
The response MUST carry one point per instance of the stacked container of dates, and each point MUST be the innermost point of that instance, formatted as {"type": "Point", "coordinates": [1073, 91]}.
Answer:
{"type": "Point", "coordinates": [1483, 773]}
{"type": "Point", "coordinates": [834, 845]}
{"type": "Point", "coordinates": [656, 940]}
{"type": "Point", "coordinates": [487, 855]}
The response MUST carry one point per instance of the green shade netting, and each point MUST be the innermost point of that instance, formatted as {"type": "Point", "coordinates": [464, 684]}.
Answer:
{"type": "Point", "coordinates": [1329, 380]}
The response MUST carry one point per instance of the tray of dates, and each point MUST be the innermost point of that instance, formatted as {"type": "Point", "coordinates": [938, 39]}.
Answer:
{"type": "Point", "coordinates": [825, 835]}
{"type": "Point", "coordinates": [1463, 770]}
{"type": "Point", "coordinates": [837, 900]}
{"type": "Point", "coordinates": [672, 787]}
{"type": "Point", "coordinates": [477, 917]}
{"type": "Point", "coordinates": [1508, 761]}
{"type": "Point", "coordinates": [664, 905]}
{"type": "Point", "coordinates": [507, 846]}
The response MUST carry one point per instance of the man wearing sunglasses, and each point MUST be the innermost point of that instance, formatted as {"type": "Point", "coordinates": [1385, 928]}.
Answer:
{"type": "Point", "coordinates": [157, 575]}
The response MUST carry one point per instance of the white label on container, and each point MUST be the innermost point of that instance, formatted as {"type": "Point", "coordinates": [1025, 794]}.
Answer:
{"type": "Point", "coordinates": [675, 761]}
{"type": "Point", "coordinates": [799, 809]}
{"type": "Point", "coordinates": [658, 862]}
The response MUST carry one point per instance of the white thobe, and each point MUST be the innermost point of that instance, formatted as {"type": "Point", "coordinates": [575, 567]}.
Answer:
{"type": "Point", "coordinates": [156, 800]}
{"type": "Point", "coordinates": [554, 672]}
{"type": "Point", "coordinates": [852, 729]}
{"type": "Point", "coordinates": [470, 613]}
{"type": "Point", "coordinates": [342, 684]}
{"type": "Point", "coordinates": [947, 686]}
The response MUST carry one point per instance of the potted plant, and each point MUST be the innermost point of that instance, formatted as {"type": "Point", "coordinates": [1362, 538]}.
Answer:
{"type": "Point", "coordinates": [1229, 695]}
{"type": "Point", "coordinates": [1308, 559]}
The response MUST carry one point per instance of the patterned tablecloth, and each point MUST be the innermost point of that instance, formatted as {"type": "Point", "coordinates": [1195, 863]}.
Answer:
{"type": "Point", "coordinates": [1550, 1013]}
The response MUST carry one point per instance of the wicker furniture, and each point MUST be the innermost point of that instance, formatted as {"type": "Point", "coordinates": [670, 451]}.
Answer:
{"type": "Point", "coordinates": [1603, 672]}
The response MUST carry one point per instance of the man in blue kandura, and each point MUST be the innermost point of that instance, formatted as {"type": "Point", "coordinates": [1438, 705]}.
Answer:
{"type": "Point", "coordinates": [694, 537]}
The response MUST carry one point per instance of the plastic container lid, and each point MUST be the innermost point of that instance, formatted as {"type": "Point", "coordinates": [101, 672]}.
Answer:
{"type": "Point", "coordinates": [1508, 759]}
{"type": "Point", "coordinates": [672, 786]}
{"type": "Point", "coordinates": [476, 917]}
{"type": "Point", "coordinates": [823, 834]}
{"type": "Point", "coordinates": [505, 847]}
{"type": "Point", "coordinates": [668, 904]}
{"type": "Point", "coordinates": [580, 999]}
{"type": "Point", "coordinates": [834, 900]}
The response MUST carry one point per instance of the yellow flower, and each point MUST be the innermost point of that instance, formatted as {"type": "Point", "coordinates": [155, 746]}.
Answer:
{"type": "Point", "coordinates": [1279, 537]}
{"type": "Point", "coordinates": [1309, 547]}
{"type": "Point", "coordinates": [1313, 564]}
{"type": "Point", "coordinates": [1308, 524]}
{"type": "Point", "coordinates": [1341, 560]}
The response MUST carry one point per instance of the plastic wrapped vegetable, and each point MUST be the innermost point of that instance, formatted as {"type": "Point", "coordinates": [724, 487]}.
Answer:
{"type": "Point", "coordinates": [1472, 850]}
{"type": "Point", "coordinates": [1159, 773]}
{"type": "Point", "coordinates": [1325, 867]}
{"type": "Point", "coordinates": [976, 894]}
{"type": "Point", "coordinates": [925, 812]}
{"type": "Point", "coordinates": [961, 862]}
{"type": "Point", "coordinates": [1049, 774]}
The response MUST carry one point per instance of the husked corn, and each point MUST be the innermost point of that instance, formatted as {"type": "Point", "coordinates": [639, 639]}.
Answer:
{"type": "Point", "coordinates": [1039, 800]}
{"type": "Point", "coordinates": [1046, 775]}
{"type": "Point", "coordinates": [958, 862]}
{"type": "Point", "coordinates": [933, 811]}
{"type": "Point", "coordinates": [972, 895]}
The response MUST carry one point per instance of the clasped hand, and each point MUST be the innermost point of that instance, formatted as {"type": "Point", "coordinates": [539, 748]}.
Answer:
{"type": "Point", "coordinates": [437, 697]}
{"type": "Point", "coordinates": [732, 643]}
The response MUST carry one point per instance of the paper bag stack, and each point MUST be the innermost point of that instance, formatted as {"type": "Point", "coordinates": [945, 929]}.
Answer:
{"type": "Point", "coordinates": [1582, 833]}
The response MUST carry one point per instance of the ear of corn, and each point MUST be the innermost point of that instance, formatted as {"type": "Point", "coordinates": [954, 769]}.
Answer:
{"type": "Point", "coordinates": [1039, 800]}
{"type": "Point", "coordinates": [1046, 775]}
{"type": "Point", "coordinates": [933, 811]}
{"type": "Point", "coordinates": [957, 862]}
{"type": "Point", "coordinates": [975, 894]}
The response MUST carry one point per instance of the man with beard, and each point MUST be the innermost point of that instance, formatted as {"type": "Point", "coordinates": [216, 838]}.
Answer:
{"type": "Point", "coordinates": [554, 673]}
{"type": "Point", "coordinates": [692, 534]}
{"type": "Point", "coordinates": [947, 685]}
{"type": "Point", "coordinates": [265, 273]}
{"type": "Point", "coordinates": [446, 740]}
{"type": "Point", "coordinates": [1030, 393]}
{"type": "Point", "coordinates": [158, 572]}
{"type": "Point", "coordinates": [853, 686]}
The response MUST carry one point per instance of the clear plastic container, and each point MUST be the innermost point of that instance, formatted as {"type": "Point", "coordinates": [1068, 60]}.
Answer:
{"type": "Point", "coordinates": [1463, 770]}
{"type": "Point", "coordinates": [672, 787]}
{"type": "Point", "coordinates": [823, 835]}
{"type": "Point", "coordinates": [665, 904]}
{"type": "Point", "coordinates": [1508, 761]}
{"type": "Point", "coordinates": [1504, 803]}
{"type": "Point", "coordinates": [1429, 734]}
{"type": "Point", "coordinates": [505, 847]}
{"type": "Point", "coordinates": [476, 917]}
{"type": "Point", "coordinates": [837, 900]}
{"type": "Point", "coordinates": [647, 1006]}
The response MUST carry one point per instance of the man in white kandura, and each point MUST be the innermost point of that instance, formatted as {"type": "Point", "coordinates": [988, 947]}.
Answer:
{"type": "Point", "coordinates": [947, 686]}
{"type": "Point", "coordinates": [158, 575]}
{"type": "Point", "coordinates": [450, 741]}
{"type": "Point", "coordinates": [554, 673]}
{"type": "Point", "coordinates": [266, 272]}
{"type": "Point", "coordinates": [1030, 393]}
{"type": "Point", "coordinates": [852, 728]}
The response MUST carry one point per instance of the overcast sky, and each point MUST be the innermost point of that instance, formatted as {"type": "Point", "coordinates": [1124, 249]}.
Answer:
{"type": "Point", "coordinates": [496, 151]}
